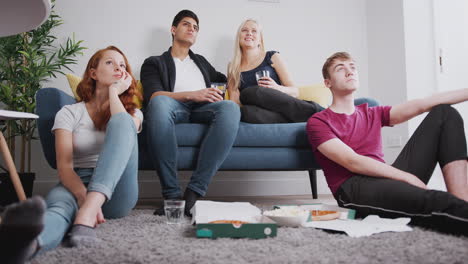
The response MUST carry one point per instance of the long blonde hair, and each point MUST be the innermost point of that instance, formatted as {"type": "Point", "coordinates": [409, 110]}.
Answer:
{"type": "Point", "coordinates": [234, 72]}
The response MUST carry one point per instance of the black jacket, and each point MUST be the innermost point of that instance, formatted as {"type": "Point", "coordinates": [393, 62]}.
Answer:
{"type": "Point", "coordinates": [158, 73]}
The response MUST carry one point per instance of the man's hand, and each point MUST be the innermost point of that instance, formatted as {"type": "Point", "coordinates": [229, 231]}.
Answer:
{"type": "Point", "coordinates": [413, 180]}
{"type": "Point", "coordinates": [207, 95]}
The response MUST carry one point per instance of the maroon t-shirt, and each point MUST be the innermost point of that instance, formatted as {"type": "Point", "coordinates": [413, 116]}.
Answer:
{"type": "Point", "coordinates": [361, 131]}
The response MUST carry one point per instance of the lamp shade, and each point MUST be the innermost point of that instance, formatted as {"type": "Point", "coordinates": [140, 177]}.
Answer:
{"type": "Point", "coordinates": [18, 16]}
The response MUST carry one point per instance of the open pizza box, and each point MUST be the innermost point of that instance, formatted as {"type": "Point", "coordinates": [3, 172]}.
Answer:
{"type": "Point", "coordinates": [235, 220]}
{"type": "Point", "coordinates": [319, 208]}
{"type": "Point", "coordinates": [346, 222]}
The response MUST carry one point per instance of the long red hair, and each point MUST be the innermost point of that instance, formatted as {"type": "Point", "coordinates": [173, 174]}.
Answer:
{"type": "Point", "coordinates": [87, 87]}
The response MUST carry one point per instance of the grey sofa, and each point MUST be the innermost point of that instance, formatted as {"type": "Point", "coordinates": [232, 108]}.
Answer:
{"type": "Point", "coordinates": [258, 147]}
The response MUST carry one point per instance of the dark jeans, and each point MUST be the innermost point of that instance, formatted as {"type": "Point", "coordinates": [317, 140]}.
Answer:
{"type": "Point", "coordinates": [440, 138]}
{"type": "Point", "coordinates": [268, 106]}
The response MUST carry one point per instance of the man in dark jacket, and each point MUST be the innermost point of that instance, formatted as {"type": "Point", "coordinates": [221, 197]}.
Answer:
{"type": "Point", "coordinates": [175, 91]}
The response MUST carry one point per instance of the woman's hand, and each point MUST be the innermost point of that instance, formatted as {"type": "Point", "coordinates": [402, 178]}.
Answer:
{"type": "Point", "coordinates": [268, 82]}
{"type": "Point", "coordinates": [122, 84]}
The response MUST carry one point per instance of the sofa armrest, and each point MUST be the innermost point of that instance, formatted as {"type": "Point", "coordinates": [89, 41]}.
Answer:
{"type": "Point", "coordinates": [48, 102]}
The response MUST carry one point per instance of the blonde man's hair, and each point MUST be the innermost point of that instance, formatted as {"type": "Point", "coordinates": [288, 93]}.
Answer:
{"type": "Point", "coordinates": [234, 72]}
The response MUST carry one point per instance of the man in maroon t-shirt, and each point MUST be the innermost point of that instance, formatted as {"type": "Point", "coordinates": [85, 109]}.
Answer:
{"type": "Point", "coordinates": [346, 140]}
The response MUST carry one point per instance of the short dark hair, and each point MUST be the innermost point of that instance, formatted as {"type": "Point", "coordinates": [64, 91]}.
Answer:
{"type": "Point", "coordinates": [336, 56]}
{"type": "Point", "coordinates": [182, 14]}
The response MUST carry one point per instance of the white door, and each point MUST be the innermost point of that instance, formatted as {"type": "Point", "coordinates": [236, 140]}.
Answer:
{"type": "Point", "coordinates": [451, 37]}
{"type": "Point", "coordinates": [451, 47]}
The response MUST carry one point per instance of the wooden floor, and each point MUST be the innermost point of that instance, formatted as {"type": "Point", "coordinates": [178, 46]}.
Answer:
{"type": "Point", "coordinates": [265, 201]}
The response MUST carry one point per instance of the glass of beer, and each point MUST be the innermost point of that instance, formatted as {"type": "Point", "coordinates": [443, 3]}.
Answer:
{"type": "Point", "coordinates": [220, 86]}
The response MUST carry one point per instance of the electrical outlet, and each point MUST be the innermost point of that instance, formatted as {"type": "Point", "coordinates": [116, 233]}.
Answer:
{"type": "Point", "coordinates": [393, 141]}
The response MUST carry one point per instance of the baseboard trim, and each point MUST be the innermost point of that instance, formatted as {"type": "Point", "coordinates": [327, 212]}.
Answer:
{"type": "Point", "coordinates": [150, 188]}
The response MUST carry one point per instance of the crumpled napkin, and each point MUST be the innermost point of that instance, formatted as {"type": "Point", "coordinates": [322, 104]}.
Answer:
{"type": "Point", "coordinates": [207, 211]}
{"type": "Point", "coordinates": [370, 225]}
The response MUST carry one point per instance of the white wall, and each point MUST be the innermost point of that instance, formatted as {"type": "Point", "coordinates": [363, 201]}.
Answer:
{"type": "Point", "coordinates": [387, 66]}
{"type": "Point", "coordinates": [421, 62]}
{"type": "Point", "coordinates": [388, 38]}
{"type": "Point", "coordinates": [304, 31]}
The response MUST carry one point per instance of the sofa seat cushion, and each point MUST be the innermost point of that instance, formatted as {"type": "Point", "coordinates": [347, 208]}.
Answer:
{"type": "Point", "coordinates": [243, 158]}
{"type": "Point", "coordinates": [250, 135]}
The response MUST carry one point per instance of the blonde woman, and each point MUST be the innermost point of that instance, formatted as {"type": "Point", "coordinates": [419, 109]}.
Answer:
{"type": "Point", "coordinates": [273, 99]}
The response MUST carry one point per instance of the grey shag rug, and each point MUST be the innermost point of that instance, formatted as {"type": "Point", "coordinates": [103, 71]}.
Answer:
{"type": "Point", "coordinates": [145, 238]}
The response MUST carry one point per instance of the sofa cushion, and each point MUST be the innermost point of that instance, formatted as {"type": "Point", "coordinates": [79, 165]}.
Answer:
{"type": "Point", "coordinates": [74, 80]}
{"type": "Point", "coordinates": [250, 135]}
{"type": "Point", "coordinates": [318, 93]}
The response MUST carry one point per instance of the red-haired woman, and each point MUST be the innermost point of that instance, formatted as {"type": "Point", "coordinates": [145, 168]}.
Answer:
{"type": "Point", "coordinates": [97, 153]}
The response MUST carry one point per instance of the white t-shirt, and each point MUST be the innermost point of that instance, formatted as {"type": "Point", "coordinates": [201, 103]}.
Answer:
{"type": "Point", "coordinates": [188, 76]}
{"type": "Point", "coordinates": [86, 139]}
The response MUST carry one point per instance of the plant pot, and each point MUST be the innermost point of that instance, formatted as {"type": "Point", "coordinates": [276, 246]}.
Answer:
{"type": "Point", "coordinates": [7, 190]}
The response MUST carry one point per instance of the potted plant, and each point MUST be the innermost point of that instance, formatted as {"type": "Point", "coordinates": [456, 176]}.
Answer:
{"type": "Point", "coordinates": [26, 61]}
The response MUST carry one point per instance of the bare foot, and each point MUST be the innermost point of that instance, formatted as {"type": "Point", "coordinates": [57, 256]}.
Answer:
{"type": "Point", "coordinates": [86, 217]}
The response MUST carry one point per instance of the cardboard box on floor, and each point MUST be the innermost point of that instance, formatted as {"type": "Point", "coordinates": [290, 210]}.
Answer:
{"type": "Point", "coordinates": [265, 228]}
{"type": "Point", "coordinates": [256, 226]}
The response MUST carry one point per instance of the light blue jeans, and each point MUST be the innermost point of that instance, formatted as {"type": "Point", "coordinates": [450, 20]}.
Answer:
{"type": "Point", "coordinates": [115, 176]}
{"type": "Point", "coordinates": [163, 112]}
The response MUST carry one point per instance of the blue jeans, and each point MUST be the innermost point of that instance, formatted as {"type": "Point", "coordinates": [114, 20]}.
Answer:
{"type": "Point", "coordinates": [162, 113]}
{"type": "Point", "coordinates": [115, 176]}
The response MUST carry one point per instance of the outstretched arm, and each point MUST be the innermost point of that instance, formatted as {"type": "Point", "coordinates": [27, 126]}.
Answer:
{"type": "Point", "coordinates": [405, 111]}
{"type": "Point", "coordinates": [337, 151]}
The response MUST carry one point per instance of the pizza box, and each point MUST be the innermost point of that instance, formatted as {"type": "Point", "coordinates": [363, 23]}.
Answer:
{"type": "Point", "coordinates": [345, 213]}
{"type": "Point", "coordinates": [255, 225]}
{"type": "Point", "coordinates": [265, 227]}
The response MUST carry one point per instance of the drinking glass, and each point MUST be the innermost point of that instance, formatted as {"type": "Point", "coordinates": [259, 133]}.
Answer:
{"type": "Point", "coordinates": [174, 210]}
{"type": "Point", "coordinates": [262, 74]}
{"type": "Point", "coordinates": [220, 86]}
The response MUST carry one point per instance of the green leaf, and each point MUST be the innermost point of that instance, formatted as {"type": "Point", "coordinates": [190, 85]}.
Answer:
{"type": "Point", "coordinates": [29, 59]}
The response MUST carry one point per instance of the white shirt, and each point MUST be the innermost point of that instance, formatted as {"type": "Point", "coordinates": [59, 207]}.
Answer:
{"type": "Point", "coordinates": [86, 139]}
{"type": "Point", "coordinates": [188, 76]}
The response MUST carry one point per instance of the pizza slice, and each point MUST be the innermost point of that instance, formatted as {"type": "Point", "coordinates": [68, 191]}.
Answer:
{"type": "Point", "coordinates": [323, 215]}
{"type": "Point", "coordinates": [234, 222]}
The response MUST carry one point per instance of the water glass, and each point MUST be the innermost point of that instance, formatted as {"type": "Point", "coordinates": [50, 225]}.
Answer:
{"type": "Point", "coordinates": [262, 74]}
{"type": "Point", "coordinates": [174, 210]}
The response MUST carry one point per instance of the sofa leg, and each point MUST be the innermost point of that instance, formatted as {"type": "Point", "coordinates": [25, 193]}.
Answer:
{"type": "Point", "coordinates": [313, 183]}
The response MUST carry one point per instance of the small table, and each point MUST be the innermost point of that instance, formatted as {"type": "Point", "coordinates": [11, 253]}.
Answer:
{"type": "Point", "coordinates": [7, 115]}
